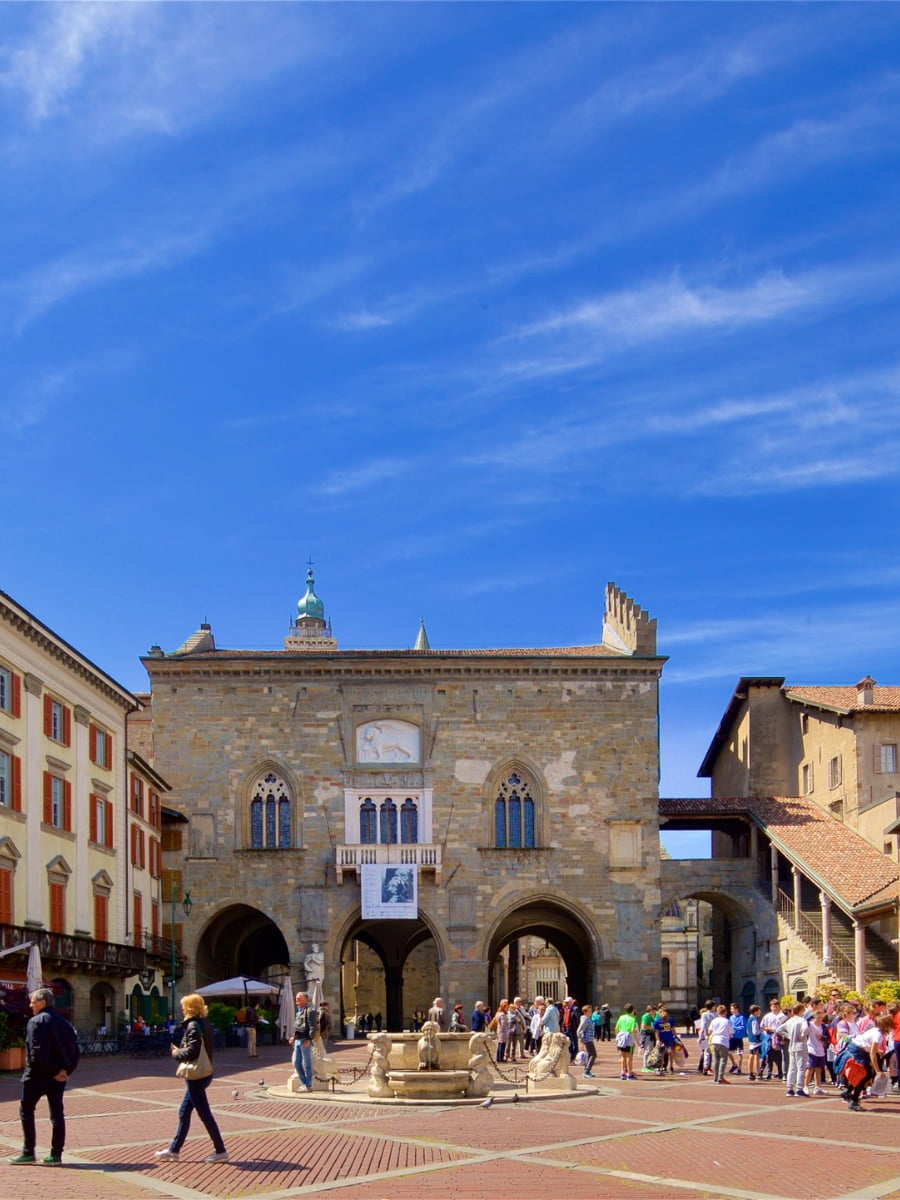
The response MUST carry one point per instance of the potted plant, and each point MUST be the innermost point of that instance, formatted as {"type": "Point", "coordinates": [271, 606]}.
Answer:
{"type": "Point", "coordinates": [12, 1043]}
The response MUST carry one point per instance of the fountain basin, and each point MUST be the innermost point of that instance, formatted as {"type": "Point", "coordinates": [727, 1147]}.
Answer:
{"type": "Point", "coordinates": [428, 1085]}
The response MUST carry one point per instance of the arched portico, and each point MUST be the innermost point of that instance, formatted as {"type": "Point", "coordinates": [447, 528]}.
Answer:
{"type": "Point", "coordinates": [240, 940]}
{"type": "Point", "coordinates": [393, 945]}
{"type": "Point", "coordinates": [556, 921]}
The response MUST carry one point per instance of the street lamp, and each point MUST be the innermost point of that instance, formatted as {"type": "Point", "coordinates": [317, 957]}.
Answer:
{"type": "Point", "coordinates": [187, 904]}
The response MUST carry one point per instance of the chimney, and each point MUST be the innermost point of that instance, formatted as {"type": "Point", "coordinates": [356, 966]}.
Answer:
{"type": "Point", "coordinates": [865, 691]}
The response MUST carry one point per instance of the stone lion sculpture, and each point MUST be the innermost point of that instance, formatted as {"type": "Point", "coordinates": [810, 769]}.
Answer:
{"type": "Point", "coordinates": [380, 1061]}
{"type": "Point", "coordinates": [479, 1064]}
{"type": "Point", "coordinates": [428, 1048]}
{"type": "Point", "coordinates": [551, 1059]}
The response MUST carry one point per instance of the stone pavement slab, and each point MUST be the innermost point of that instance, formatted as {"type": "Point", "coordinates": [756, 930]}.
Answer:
{"type": "Point", "coordinates": [680, 1136]}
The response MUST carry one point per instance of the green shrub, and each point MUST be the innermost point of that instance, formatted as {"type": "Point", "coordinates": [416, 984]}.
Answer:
{"type": "Point", "coordinates": [222, 1016]}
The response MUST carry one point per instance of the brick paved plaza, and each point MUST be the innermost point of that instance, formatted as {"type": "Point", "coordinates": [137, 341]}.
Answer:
{"type": "Point", "coordinates": [681, 1136]}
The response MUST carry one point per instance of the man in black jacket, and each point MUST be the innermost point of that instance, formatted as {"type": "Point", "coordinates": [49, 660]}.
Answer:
{"type": "Point", "coordinates": [51, 1055]}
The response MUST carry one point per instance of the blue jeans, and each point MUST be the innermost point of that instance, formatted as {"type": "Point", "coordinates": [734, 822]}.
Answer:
{"type": "Point", "coordinates": [195, 1100]}
{"type": "Point", "coordinates": [32, 1090]}
{"type": "Point", "coordinates": [303, 1062]}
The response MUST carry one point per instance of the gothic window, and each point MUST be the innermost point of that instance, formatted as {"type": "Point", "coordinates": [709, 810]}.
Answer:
{"type": "Point", "coordinates": [514, 823]}
{"type": "Point", "coordinates": [270, 814]}
{"type": "Point", "coordinates": [409, 821]}
{"type": "Point", "coordinates": [388, 817]}
{"type": "Point", "coordinates": [666, 973]}
{"type": "Point", "coordinates": [368, 822]}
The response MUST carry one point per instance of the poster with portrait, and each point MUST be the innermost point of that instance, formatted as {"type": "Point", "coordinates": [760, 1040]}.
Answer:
{"type": "Point", "coordinates": [389, 891]}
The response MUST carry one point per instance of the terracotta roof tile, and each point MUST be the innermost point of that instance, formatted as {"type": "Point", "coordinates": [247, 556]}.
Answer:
{"type": "Point", "coordinates": [840, 859]}
{"type": "Point", "coordinates": [846, 698]}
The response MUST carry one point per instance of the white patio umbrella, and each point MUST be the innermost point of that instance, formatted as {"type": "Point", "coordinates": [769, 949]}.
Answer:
{"type": "Point", "coordinates": [238, 985]}
{"type": "Point", "coordinates": [286, 1009]}
{"type": "Point", "coordinates": [34, 972]}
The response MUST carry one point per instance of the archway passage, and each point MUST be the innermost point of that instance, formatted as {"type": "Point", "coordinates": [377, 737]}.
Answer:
{"type": "Point", "coordinates": [378, 975]}
{"type": "Point", "coordinates": [559, 928]}
{"type": "Point", "coordinates": [240, 941]}
{"type": "Point", "coordinates": [719, 958]}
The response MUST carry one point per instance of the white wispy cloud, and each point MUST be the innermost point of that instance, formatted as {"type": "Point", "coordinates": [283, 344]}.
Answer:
{"type": "Point", "coordinates": [59, 280]}
{"type": "Point", "coordinates": [363, 475]}
{"type": "Point", "coordinates": [658, 311]}
{"type": "Point", "coordinates": [118, 70]}
{"type": "Point", "coordinates": [849, 635]}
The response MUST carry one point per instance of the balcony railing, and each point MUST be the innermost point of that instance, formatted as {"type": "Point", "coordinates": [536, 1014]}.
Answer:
{"type": "Point", "coordinates": [350, 857]}
{"type": "Point", "coordinates": [64, 950]}
{"type": "Point", "coordinates": [159, 954]}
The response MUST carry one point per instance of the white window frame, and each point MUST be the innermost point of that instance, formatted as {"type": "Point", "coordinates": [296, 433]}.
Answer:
{"type": "Point", "coordinates": [888, 758]}
{"type": "Point", "coordinates": [6, 686]}
{"type": "Point", "coordinates": [354, 797]}
{"type": "Point", "coordinates": [835, 771]}
{"type": "Point", "coordinates": [57, 720]}
{"type": "Point", "coordinates": [5, 780]}
{"type": "Point", "coordinates": [57, 801]}
{"type": "Point", "coordinates": [808, 777]}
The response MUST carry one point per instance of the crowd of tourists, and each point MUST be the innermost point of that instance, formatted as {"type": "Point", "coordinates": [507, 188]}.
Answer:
{"type": "Point", "coordinates": [810, 1045]}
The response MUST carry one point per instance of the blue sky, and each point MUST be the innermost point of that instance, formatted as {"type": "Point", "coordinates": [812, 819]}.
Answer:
{"type": "Point", "coordinates": [478, 306]}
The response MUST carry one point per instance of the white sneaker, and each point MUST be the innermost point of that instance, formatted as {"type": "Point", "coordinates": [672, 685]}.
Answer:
{"type": "Point", "coordinates": [818, 1091]}
{"type": "Point", "coordinates": [217, 1156]}
{"type": "Point", "coordinates": [167, 1153]}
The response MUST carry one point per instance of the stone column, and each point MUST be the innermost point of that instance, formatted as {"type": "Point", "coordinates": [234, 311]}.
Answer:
{"type": "Point", "coordinates": [825, 903]}
{"type": "Point", "coordinates": [859, 954]}
{"type": "Point", "coordinates": [773, 867]}
{"type": "Point", "coordinates": [754, 847]}
{"type": "Point", "coordinates": [797, 880]}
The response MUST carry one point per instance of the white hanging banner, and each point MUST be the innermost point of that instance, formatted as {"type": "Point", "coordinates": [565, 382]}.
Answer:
{"type": "Point", "coordinates": [389, 891]}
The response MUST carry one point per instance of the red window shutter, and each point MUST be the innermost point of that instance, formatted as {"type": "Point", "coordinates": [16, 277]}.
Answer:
{"type": "Point", "coordinates": [67, 805]}
{"type": "Point", "coordinates": [6, 896]}
{"type": "Point", "coordinates": [16, 695]}
{"type": "Point", "coordinates": [100, 915]}
{"type": "Point", "coordinates": [138, 919]}
{"type": "Point", "coordinates": [133, 844]}
{"type": "Point", "coordinates": [48, 798]}
{"type": "Point", "coordinates": [108, 755]}
{"type": "Point", "coordinates": [48, 716]}
{"type": "Point", "coordinates": [154, 919]}
{"type": "Point", "coordinates": [67, 726]}
{"type": "Point", "coordinates": [93, 831]}
{"type": "Point", "coordinates": [108, 815]}
{"type": "Point", "coordinates": [16, 783]}
{"type": "Point", "coordinates": [92, 738]}
{"type": "Point", "coordinates": [58, 907]}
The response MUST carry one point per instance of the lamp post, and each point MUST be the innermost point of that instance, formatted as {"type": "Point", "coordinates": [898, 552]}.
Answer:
{"type": "Point", "coordinates": [187, 904]}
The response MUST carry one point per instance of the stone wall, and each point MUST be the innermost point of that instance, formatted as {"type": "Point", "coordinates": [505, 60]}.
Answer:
{"type": "Point", "coordinates": [584, 728]}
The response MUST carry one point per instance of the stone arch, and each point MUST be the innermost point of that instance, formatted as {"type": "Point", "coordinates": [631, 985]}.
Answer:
{"type": "Point", "coordinates": [556, 919]}
{"type": "Point", "coordinates": [497, 783]}
{"type": "Point", "coordinates": [239, 939]}
{"type": "Point", "coordinates": [739, 916]}
{"type": "Point", "coordinates": [245, 793]}
{"type": "Point", "coordinates": [392, 942]}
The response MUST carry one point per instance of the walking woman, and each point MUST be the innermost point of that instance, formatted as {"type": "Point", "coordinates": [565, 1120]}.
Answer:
{"type": "Point", "coordinates": [502, 1029]}
{"type": "Point", "coordinates": [197, 1036]}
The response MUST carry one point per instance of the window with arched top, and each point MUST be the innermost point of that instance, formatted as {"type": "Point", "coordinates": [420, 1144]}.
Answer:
{"type": "Point", "coordinates": [388, 823]}
{"type": "Point", "coordinates": [514, 812]}
{"type": "Point", "coordinates": [271, 824]}
{"type": "Point", "coordinates": [666, 973]}
{"type": "Point", "coordinates": [409, 821]}
{"type": "Point", "coordinates": [368, 822]}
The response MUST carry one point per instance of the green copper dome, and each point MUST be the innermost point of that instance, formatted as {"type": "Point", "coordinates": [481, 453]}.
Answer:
{"type": "Point", "coordinates": [310, 605]}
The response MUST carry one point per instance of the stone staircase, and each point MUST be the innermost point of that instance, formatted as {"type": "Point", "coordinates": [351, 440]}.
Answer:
{"type": "Point", "coordinates": [881, 956]}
